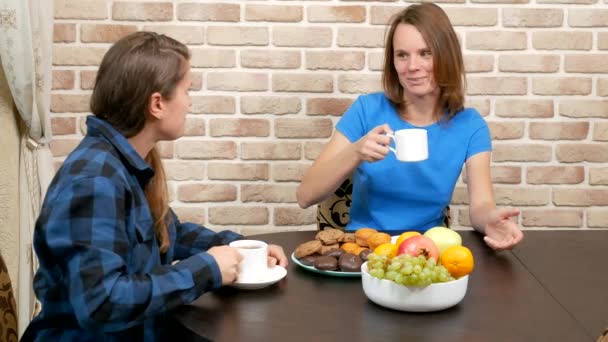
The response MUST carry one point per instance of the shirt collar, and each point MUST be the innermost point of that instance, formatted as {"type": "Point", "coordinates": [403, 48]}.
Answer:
{"type": "Point", "coordinates": [100, 127]}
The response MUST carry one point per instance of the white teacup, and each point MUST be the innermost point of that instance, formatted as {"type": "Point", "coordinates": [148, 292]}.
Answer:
{"type": "Point", "coordinates": [411, 144]}
{"type": "Point", "coordinates": [254, 266]}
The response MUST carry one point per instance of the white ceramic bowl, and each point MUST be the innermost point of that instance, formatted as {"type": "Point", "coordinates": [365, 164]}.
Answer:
{"type": "Point", "coordinates": [434, 297]}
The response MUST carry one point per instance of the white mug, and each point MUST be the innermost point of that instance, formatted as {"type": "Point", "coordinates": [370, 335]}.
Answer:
{"type": "Point", "coordinates": [410, 144]}
{"type": "Point", "coordinates": [254, 266]}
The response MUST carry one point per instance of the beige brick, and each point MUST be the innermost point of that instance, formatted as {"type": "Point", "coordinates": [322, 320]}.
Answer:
{"type": "Point", "coordinates": [472, 16]}
{"type": "Point", "coordinates": [239, 127]}
{"type": "Point", "coordinates": [561, 85]}
{"type": "Point", "coordinates": [327, 106]}
{"type": "Point", "coordinates": [506, 130]}
{"type": "Point", "coordinates": [335, 60]}
{"type": "Point", "coordinates": [358, 84]}
{"type": "Point", "coordinates": [303, 128]}
{"type": "Point", "coordinates": [462, 217]}
{"type": "Point", "coordinates": [516, 196]}
{"type": "Point", "coordinates": [104, 33]}
{"type": "Point", "coordinates": [77, 55]}
{"type": "Point", "coordinates": [63, 79]}
{"type": "Point", "coordinates": [270, 105]}
{"type": "Point", "coordinates": [290, 172]}
{"type": "Point", "coordinates": [206, 193]}
{"type": "Point", "coordinates": [481, 104]}
{"type": "Point", "coordinates": [369, 37]}
{"type": "Point", "coordinates": [190, 214]}
{"type": "Point", "coordinates": [580, 197]}
{"type": "Point", "coordinates": [460, 196]}
{"type": "Point", "coordinates": [209, 12]}
{"type": "Point", "coordinates": [271, 151]}
{"type": "Point", "coordinates": [588, 17]}
{"type": "Point", "coordinates": [380, 15]}
{"type": "Point", "coordinates": [513, 108]}
{"type": "Point", "coordinates": [241, 171]}
{"type": "Point", "coordinates": [302, 36]}
{"type": "Point", "coordinates": [584, 108]}
{"type": "Point", "coordinates": [313, 149]}
{"type": "Point", "coordinates": [146, 11]}
{"type": "Point", "coordinates": [521, 153]}
{"type": "Point", "coordinates": [501, 1]}
{"type": "Point", "coordinates": [237, 81]}
{"type": "Point", "coordinates": [274, 13]}
{"type": "Point", "coordinates": [600, 131]}
{"type": "Point", "coordinates": [528, 63]}
{"type": "Point", "coordinates": [194, 127]}
{"type": "Point", "coordinates": [602, 87]}
{"type": "Point", "coordinates": [80, 9]}
{"type": "Point", "coordinates": [63, 126]}
{"type": "Point", "coordinates": [61, 147]}
{"type": "Point", "coordinates": [562, 40]}
{"type": "Point", "coordinates": [237, 35]}
{"type": "Point", "coordinates": [336, 14]}
{"type": "Point", "coordinates": [496, 85]}
{"type": "Point", "coordinates": [557, 218]}
{"type": "Point", "coordinates": [532, 17]}
{"type": "Point", "coordinates": [199, 149]}
{"type": "Point", "coordinates": [478, 63]}
{"type": "Point", "coordinates": [577, 153]}
{"type": "Point", "coordinates": [376, 61]}
{"type": "Point", "coordinates": [596, 63]}
{"type": "Point", "coordinates": [558, 130]}
{"type": "Point", "coordinates": [597, 218]}
{"type": "Point", "coordinates": [268, 193]}
{"type": "Point", "coordinates": [598, 176]}
{"type": "Point", "coordinates": [64, 33]}
{"type": "Point", "coordinates": [314, 83]}
{"type": "Point", "coordinates": [87, 79]}
{"type": "Point", "coordinates": [69, 103]}
{"type": "Point", "coordinates": [602, 40]}
{"type": "Point", "coordinates": [555, 175]}
{"type": "Point", "coordinates": [273, 59]}
{"type": "Point", "coordinates": [506, 174]}
{"type": "Point", "coordinates": [212, 58]}
{"type": "Point", "coordinates": [213, 105]}
{"type": "Point", "coordinates": [183, 170]}
{"type": "Point", "coordinates": [293, 216]}
{"type": "Point", "coordinates": [196, 81]}
{"type": "Point", "coordinates": [166, 149]}
{"type": "Point", "coordinates": [190, 34]}
{"type": "Point", "coordinates": [580, 2]}
{"type": "Point", "coordinates": [238, 215]}
{"type": "Point", "coordinates": [496, 40]}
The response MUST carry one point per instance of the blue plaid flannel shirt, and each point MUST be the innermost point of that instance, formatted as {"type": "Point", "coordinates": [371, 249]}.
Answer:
{"type": "Point", "coordinates": [101, 275]}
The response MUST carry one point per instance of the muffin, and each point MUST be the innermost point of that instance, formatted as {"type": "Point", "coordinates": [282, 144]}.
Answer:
{"type": "Point", "coordinates": [376, 239]}
{"type": "Point", "coordinates": [362, 234]}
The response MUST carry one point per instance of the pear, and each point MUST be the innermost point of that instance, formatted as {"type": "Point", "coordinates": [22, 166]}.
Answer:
{"type": "Point", "coordinates": [443, 237]}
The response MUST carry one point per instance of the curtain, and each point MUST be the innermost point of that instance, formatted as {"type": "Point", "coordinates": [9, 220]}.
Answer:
{"type": "Point", "coordinates": [26, 39]}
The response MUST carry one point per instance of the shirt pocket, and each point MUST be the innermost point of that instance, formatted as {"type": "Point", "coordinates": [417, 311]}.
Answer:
{"type": "Point", "coordinates": [144, 248]}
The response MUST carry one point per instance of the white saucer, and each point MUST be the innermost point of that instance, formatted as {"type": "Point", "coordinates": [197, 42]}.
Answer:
{"type": "Point", "coordinates": [272, 276]}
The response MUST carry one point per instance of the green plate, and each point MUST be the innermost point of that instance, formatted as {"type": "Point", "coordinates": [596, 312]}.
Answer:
{"type": "Point", "coordinates": [330, 273]}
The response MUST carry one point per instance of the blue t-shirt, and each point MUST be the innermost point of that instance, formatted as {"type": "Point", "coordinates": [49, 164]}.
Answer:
{"type": "Point", "coordinates": [396, 196]}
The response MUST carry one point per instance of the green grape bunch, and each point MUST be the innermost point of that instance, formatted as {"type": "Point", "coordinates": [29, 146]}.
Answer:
{"type": "Point", "coordinates": [407, 270]}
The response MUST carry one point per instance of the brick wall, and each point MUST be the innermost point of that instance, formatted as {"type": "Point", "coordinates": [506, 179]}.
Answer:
{"type": "Point", "coordinates": [272, 77]}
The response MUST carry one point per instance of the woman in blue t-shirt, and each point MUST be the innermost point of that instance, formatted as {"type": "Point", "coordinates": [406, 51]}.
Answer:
{"type": "Point", "coordinates": [423, 81]}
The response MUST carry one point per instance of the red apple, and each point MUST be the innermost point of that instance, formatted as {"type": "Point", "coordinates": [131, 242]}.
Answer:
{"type": "Point", "coordinates": [419, 245]}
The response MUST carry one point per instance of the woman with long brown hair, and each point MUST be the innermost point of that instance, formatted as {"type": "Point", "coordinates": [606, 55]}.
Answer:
{"type": "Point", "coordinates": [106, 238]}
{"type": "Point", "coordinates": [424, 84]}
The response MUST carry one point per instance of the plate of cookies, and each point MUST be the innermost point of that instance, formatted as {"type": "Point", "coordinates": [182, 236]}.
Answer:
{"type": "Point", "coordinates": [335, 252]}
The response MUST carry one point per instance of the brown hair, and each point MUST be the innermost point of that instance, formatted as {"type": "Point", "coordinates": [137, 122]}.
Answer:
{"type": "Point", "coordinates": [448, 67]}
{"type": "Point", "coordinates": [134, 68]}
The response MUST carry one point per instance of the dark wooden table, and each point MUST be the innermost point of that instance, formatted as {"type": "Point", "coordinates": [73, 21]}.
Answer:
{"type": "Point", "coordinates": [553, 287]}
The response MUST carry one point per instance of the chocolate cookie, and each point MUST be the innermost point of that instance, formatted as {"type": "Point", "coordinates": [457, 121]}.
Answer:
{"type": "Point", "coordinates": [308, 248]}
{"type": "Point", "coordinates": [349, 262]}
{"type": "Point", "coordinates": [330, 236]}
{"type": "Point", "coordinates": [336, 252]}
{"type": "Point", "coordinates": [309, 260]}
{"type": "Point", "coordinates": [326, 263]}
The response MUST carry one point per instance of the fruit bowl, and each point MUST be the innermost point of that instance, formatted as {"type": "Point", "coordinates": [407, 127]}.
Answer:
{"type": "Point", "coordinates": [395, 296]}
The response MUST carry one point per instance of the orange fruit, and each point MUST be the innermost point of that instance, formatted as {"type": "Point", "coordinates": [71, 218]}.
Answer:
{"type": "Point", "coordinates": [404, 236]}
{"type": "Point", "coordinates": [458, 260]}
{"type": "Point", "coordinates": [376, 239]}
{"type": "Point", "coordinates": [387, 248]}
